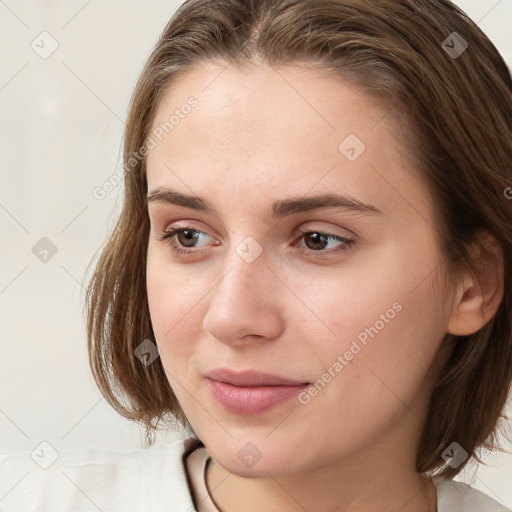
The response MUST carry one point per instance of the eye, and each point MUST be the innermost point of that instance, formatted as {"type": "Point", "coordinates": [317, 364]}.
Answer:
{"type": "Point", "coordinates": [316, 241]}
{"type": "Point", "coordinates": [175, 237]}
{"type": "Point", "coordinates": [182, 240]}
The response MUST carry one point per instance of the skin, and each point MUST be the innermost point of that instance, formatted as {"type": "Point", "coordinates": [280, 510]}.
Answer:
{"type": "Point", "coordinates": [262, 134]}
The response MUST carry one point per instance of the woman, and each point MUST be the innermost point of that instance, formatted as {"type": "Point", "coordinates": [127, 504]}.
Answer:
{"type": "Point", "coordinates": [312, 269]}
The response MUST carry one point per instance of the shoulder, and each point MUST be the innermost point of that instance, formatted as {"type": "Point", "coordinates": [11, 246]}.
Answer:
{"type": "Point", "coordinates": [86, 479]}
{"type": "Point", "coordinates": [457, 496]}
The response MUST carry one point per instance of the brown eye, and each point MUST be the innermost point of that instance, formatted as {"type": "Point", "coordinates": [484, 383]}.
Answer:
{"type": "Point", "coordinates": [317, 241]}
{"type": "Point", "coordinates": [182, 240]}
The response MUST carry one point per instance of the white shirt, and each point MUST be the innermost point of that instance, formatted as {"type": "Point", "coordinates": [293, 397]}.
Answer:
{"type": "Point", "coordinates": [154, 479]}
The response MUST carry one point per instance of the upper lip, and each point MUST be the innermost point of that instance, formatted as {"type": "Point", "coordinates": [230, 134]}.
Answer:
{"type": "Point", "coordinates": [250, 378]}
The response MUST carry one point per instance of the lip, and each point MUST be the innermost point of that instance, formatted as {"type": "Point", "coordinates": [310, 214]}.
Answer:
{"type": "Point", "coordinates": [249, 392]}
{"type": "Point", "coordinates": [250, 378]}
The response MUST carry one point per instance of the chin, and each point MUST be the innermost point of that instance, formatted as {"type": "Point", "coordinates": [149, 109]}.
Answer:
{"type": "Point", "coordinates": [255, 459]}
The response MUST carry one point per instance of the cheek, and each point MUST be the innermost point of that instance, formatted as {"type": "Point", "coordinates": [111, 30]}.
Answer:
{"type": "Point", "coordinates": [385, 294]}
{"type": "Point", "coordinates": [373, 373]}
{"type": "Point", "coordinates": [171, 305]}
{"type": "Point", "coordinates": [388, 324]}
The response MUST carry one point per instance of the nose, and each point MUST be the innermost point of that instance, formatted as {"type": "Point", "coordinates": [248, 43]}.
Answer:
{"type": "Point", "coordinates": [245, 305]}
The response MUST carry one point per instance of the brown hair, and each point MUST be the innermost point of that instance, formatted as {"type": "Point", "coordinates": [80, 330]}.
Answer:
{"type": "Point", "coordinates": [460, 106]}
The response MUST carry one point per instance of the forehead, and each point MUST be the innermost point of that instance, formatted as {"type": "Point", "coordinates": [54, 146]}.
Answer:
{"type": "Point", "coordinates": [258, 97]}
{"type": "Point", "coordinates": [290, 124]}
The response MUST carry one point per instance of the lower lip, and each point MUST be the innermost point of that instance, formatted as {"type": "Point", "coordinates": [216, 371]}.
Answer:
{"type": "Point", "coordinates": [251, 400]}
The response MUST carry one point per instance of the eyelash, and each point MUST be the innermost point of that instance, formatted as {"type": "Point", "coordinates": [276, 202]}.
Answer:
{"type": "Point", "coordinates": [168, 237]}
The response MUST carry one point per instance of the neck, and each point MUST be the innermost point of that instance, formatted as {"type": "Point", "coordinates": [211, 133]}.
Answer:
{"type": "Point", "coordinates": [324, 490]}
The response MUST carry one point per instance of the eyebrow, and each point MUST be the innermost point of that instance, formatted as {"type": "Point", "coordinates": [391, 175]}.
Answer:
{"type": "Point", "coordinates": [279, 208]}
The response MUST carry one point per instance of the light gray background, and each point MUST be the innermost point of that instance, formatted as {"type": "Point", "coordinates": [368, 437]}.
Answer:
{"type": "Point", "coordinates": [62, 120]}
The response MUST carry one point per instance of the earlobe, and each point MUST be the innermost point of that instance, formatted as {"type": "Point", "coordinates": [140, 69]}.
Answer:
{"type": "Point", "coordinates": [478, 295]}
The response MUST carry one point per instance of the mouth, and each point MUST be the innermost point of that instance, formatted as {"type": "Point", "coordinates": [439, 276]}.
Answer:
{"type": "Point", "coordinates": [250, 392]}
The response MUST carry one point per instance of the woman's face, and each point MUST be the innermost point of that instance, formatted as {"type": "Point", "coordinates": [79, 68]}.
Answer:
{"type": "Point", "coordinates": [356, 312]}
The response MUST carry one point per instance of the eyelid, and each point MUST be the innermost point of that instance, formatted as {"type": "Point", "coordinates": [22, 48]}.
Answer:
{"type": "Point", "coordinates": [331, 231]}
{"type": "Point", "coordinates": [301, 229]}
{"type": "Point", "coordinates": [187, 224]}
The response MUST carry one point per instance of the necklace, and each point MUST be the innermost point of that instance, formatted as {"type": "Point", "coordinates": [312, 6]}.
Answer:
{"type": "Point", "coordinates": [206, 467]}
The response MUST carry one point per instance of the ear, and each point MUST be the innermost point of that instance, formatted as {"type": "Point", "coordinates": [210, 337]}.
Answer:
{"type": "Point", "coordinates": [478, 297]}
